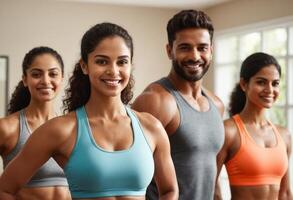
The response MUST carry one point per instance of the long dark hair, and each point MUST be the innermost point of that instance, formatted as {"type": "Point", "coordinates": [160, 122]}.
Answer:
{"type": "Point", "coordinates": [79, 91]}
{"type": "Point", "coordinates": [250, 66]}
{"type": "Point", "coordinates": [21, 96]}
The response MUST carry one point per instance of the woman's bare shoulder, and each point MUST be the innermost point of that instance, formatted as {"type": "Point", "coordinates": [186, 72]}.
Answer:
{"type": "Point", "coordinates": [231, 130]}
{"type": "Point", "coordinates": [9, 125]}
{"type": "Point", "coordinates": [61, 126]}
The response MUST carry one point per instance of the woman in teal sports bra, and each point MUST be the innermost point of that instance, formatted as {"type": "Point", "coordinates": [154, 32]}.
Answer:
{"type": "Point", "coordinates": [107, 150]}
{"type": "Point", "coordinates": [31, 105]}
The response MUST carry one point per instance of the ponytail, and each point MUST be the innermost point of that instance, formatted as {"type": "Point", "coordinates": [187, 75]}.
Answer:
{"type": "Point", "coordinates": [127, 94]}
{"type": "Point", "coordinates": [237, 101]}
{"type": "Point", "coordinates": [20, 98]}
{"type": "Point", "coordinates": [79, 90]}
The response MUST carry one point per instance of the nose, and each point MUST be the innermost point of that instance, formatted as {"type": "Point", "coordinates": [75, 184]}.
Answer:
{"type": "Point", "coordinates": [113, 69]}
{"type": "Point", "coordinates": [196, 54]}
{"type": "Point", "coordinates": [46, 79]}
{"type": "Point", "coordinates": [269, 88]}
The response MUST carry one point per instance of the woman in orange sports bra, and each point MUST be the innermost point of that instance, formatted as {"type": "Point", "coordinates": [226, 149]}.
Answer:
{"type": "Point", "coordinates": [256, 152]}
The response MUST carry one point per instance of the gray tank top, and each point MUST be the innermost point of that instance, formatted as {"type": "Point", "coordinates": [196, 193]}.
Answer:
{"type": "Point", "coordinates": [50, 174]}
{"type": "Point", "coordinates": [194, 147]}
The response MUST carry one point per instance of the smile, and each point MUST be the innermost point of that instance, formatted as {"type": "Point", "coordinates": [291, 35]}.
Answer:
{"type": "Point", "coordinates": [192, 67]}
{"type": "Point", "coordinates": [268, 98]}
{"type": "Point", "coordinates": [112, 82]}
{"type": "Point", "coordinates": [45, 89]}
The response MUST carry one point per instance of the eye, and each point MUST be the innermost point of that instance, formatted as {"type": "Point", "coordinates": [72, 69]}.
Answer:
{"type": "Point", "coordinates": [36, 74]}
{"type": "Point", "coordinates": [101, 62]}
{"type": "Point", "coordinates": [276, 83]}
{"type": "Point", "coordinates": [260, 82]}
{"type": "Point", "coordinates": [54, 74]}
{"type": "Point", "coordinates": [184, 48]}
{"type": "Point", "coordinates": [122, 62]}
{"type": "Point", "coordinates": [203, 48]}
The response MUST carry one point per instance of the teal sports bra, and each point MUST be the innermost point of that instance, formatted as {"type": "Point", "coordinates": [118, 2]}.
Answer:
{"type": "Point", "coordinates": [93, 172]}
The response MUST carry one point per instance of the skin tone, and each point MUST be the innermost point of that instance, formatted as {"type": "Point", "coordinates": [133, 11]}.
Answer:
{"type": "Point", "coordinates": [108, 67]}
{"type": "Point", "coordinates": [43, 79]}
{"type": "Point", "coordinates": [261, 92]}
{"type": "Point", "coordinates": [192, 51]}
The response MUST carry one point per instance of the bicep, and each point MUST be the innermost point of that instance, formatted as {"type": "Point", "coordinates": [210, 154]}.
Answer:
{"type": "Point", "coordinates": [229, 148]}
{"type": "Point", "coordinates": [285, 190]}
{"type": "Point", "coordinates": [165, 175]}
{"type": "Point", "coordinates": [221, 158]}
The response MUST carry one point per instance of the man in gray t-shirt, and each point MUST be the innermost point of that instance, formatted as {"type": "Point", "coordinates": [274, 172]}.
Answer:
{"type": "Point", "coordinates": [190, 114]}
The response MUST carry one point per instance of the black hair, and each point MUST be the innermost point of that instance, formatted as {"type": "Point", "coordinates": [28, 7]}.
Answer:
{"type": "Point", "coordinates": [79, 92]}
{"type": "Point", "coordinates": [21, 96]}
{"type": "Point", "coordinates": [188, 19]}
{"type": "Point", "coordinates": [250, 66]}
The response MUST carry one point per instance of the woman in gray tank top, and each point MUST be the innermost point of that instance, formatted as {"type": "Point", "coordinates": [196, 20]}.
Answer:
{"type": "Point", "coordinates": [30, 106]}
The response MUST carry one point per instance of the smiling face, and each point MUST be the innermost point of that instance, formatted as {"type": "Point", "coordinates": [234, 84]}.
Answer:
{"type": "Point", "coordinates": [43, 78]}
{"type": "Point", "coordinates": [191, 53]}
{"type": "Point", "coordinates": [263, 89]}
{"type": "Point", "coordinates": [109, 66]}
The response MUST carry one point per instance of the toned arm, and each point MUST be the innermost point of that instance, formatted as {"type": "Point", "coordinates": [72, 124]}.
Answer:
{"type": "Point", "coordinates": [285, 191]}
{"type": "Point", "coordinates": [229, 149]}
{"type": "Point", "coordinates": [158, 102]}
{"type": "Point", "coordinates": [46, 141]}
{"type": "Point", "coordinates": [164, 176]}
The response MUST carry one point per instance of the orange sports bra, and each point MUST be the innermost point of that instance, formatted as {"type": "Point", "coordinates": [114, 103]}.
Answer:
{"type": "Point", "coordinates": [256, 165]}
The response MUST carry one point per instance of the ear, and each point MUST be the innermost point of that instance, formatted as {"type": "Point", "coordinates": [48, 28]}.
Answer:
{"type": "Point", "coordinates": [83, 66]}
{"type": "Point", "coordinates": [243, 84]}
{"type": "Point", "coordinates": [24, 80]}
{"type": "Point", "coordinates": [169, 51]}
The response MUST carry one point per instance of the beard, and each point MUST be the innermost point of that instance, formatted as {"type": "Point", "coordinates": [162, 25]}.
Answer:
{"type": "Point", "coordinates": [179, 69]}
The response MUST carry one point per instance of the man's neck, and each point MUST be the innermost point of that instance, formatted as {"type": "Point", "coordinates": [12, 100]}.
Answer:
{"type": "Point", "coordinates": [185, 87]}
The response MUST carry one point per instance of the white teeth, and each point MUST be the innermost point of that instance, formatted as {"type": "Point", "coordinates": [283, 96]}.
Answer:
{"type": "Point", "coordinates": [45, 89]}
{"type": "Point", "coordinates": [112, 82]}
{"type": "Point", "coordinates": [192, 66]}
{"type": "Point", "coordinates": [268, 98]}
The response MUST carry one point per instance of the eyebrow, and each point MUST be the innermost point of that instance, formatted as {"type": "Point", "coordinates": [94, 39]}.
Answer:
{"type": "Point", "coordinates": [51, 69]}
{"type": "Point", "coordinates": [107, 57]}
{"type": "Point", "coordinates": [262, 78]}
{"type": "Point", "coordinates": [187, 44]}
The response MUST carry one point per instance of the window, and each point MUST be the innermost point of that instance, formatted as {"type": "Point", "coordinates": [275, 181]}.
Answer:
{"type": "Point", "coordinates": [233, 46]}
